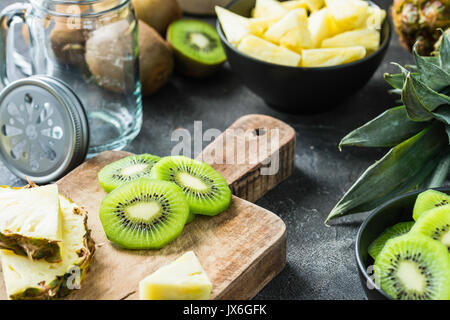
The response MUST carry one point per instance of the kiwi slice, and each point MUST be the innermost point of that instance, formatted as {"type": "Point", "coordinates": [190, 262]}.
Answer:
{"type": "Point", "coordinates": [395, 231]}
{"type": "Point", "coordinates": [414, 267]}
{"type": "Point", "coordinates": [191, 218]}
{"type": "Point", "coordinates": [435, 223]}
{"type": "Point", "coordinates": [428, 200]}
{"type": "Point", "coordinates": [126, 169]}
{"type": "Point", "coordinates": [206, 191]}
{"type": "Point", "coordinates": [197, 47]}
{"type": "Point", "coordinates": [144, 214]}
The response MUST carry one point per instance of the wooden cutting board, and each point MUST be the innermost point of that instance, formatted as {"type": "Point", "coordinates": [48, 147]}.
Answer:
{"type": "Point", "coordinates": [241, 249]}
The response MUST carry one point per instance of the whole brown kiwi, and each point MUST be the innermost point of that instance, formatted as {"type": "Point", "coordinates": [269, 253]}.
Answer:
{"type": "Point", "coordinates": [158, 14]}
{"type": "Point", "coordinates": [68, 44]}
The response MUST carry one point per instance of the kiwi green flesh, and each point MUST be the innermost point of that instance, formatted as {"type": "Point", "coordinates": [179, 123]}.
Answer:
{"type": "Point", "coordinates": [126, 169]}
{"type": "Point", "coordinates": [395, 231]}
{"type": "Point", "coordinates": [197, 48]}
{"type": "Point", "coordinates": [414, 267]}
{"type": "Point", "coordinates": [191, 218]}
{"type": "Point", "coordinates": [435, 224]}
{"type": "Point", "coordinates": [428, 200]}
{"type": "Point", "coordinates": [144, 214]}
{"type": "Point", "coordinates": [206, 191]}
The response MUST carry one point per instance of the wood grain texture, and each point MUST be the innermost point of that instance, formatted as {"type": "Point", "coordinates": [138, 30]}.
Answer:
{"type": "Point", "coordinates": [241, 249]}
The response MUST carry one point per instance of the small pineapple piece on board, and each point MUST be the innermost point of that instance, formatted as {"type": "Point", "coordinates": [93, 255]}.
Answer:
{"type": "Point", "coordinates": [234, 26]}
{"type": "Point", "coordinates": [183, 279]}
{"type": "Point", "coordinates": [349, 14]}
{"type": "Point", "coordinates": [30, 222]}
{"type": "Point", "coordinates": [375, 17]}
{"type": "Point", "coordinates": [291, 31]}
{"type": "Point", "coordinates": [367, 38]}
{"type": "Point", "coordinates": [331, 56]}
{"type": "Point", "coordinates": [321, 25]}
{"type": "Point", "coordinates": [264, 50]}
{"type": "Point", "coordinates": [268, 9]}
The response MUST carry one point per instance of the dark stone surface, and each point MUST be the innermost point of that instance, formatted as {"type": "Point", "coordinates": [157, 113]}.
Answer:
{"type": "Point", "coordinates": [320, 259]}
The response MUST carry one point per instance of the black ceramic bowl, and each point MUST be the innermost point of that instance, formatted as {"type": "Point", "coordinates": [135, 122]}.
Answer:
{"type": "Point", "coordinates": [301, 90]}
{"type": "Point", "coordinates": [397, 210]}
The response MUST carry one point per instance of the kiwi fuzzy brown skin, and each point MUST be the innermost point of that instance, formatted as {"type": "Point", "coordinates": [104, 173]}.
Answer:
{"type": "Point", "coordinates": [155, 58]}
{"type": "Point", "coordinates": [158, 14]}
{"type": "Point", "coordinates": [68, 45]}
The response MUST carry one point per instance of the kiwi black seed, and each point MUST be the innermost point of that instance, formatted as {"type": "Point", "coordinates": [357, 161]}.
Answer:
{"type": "Point", "coordinates": [144, 214]}
{"type": "Point", "coordinates": [414, 267]}
{"type": "Point", "coordinates": [395, 231]}
{"type": "Point", "coordinates": [126, 169]}
{"type": "Point", "coordinates": [197, 47]}
{"type": "Point", "coordinates": [428, 200]}
{"type": "Point", "coordinates": [206, 191]}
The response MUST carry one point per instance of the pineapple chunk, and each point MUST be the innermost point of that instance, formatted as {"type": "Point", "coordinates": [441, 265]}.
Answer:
{"type": "Point", "coordinates": [367, 38]}
{"type": "Point", "coordinates": [183, 279]}
{"type": "Point", "coordinates": [234, 26]}
{"type": "Point", "coordinates": [30, 222]}
{"type": "Point", "coordinates": [375, 17]}
{"type": "Point", "coordinates": [294, 4]}
{"type": "Point", "coordinates": [349, 14]}
{"type": "Point", "coordinates": [269, 9]}
{"type": "Point", "coordinates": [321, 25]}
{"type": "Point", "coordinates": [26, 279]}
{"type": "Point", "coordinates": [331, 56]}
{"type": "Point", "coordinates": [291, 31]}
{"type": "Point", "coordinates": [267, 51]}
{"type": "Point", "coordinates": [258, 26]}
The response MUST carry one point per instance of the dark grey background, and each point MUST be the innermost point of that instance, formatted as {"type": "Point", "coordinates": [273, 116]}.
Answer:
{"type": "Point", "coordinates": [320, 259]}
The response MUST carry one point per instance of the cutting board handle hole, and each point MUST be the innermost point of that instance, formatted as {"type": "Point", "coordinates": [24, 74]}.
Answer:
{"type": "Point", "coordinates": [259, 132]}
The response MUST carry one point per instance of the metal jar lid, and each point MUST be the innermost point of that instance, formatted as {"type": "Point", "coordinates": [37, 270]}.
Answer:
{"type": "Point", "coordinates": [44, 131]}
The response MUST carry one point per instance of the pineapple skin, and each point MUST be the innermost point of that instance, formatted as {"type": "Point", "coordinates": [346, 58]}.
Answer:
{"type": "Point", "coordinates": [58, 287]}
{"type": "Point", "coordinates": [419, 20]}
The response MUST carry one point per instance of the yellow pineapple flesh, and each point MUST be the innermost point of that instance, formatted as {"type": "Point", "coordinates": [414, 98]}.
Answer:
{"type": "Point", "coordinates": [367, 38]}
{"type": "Point", "coordinates": [331, 56]}
{"type": "Point", "coordinates": [348, 14]}
{"type": "Point", "coordinates": [268, 9]}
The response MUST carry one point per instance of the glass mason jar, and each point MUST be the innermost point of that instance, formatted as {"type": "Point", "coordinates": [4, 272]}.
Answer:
{"type": "Point", "coordinates": [92, 45]}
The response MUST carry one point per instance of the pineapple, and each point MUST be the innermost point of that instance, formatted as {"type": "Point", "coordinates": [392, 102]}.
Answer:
{"type": "Point", "coordinates": [311, 5]}
{"type": "Point", "coordinates": [32, 280]}
{"type": "Point", "coordinates": [368, 38]}
{"type": "Point", "coordinates": [234, 26]}
{"type": "Point", "coordinates": [419, 20]}
{"type": "Point", "coordinates": [331, 56]}
{"type": "Point", "coordinates": [269, 9]}
{"type": "Point", "coordinates": [291, 31]}
{"type": "Point", "coordinates": [183, 279]}
{"type": "Point", "coordinates": [349, 14]}
{"type": "Point", "coordinates": [258, 26]}
{"type": "Point", "coordinates": [269, 52]}
{"type": "Point", "coordinates": [321, 25]}
{"type": "Point", "coordinates": [30, 222]}
{"type": "Point", "coordinates": [375, 17]}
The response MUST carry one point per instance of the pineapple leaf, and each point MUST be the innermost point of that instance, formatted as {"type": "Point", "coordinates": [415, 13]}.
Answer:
{"type": "Point", "coordinates": [403, 168]}
{"type": "Point", "coordinates": [414, 106]}
{"type": "Point", "coordinates": [396, 80]}
{"type": "Point", "coordinates": [444, 52]}
{"type": "Point", "coordinates": [387, 130]}
{"type": "Point", "coordinates": [432, 75]}
{"type": "Point", "coordinates": [442, 114]}
{"type": "Point", "coordinates": [440, 173]}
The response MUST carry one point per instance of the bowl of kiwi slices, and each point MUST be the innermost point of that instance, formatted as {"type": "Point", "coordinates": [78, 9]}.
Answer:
{"type": "Point", "coordinates": [403, 248]}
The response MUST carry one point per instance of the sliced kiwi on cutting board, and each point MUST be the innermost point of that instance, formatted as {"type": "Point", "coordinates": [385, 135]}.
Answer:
{"type": "Point", "coordinates": [395, 231]}
{"type": "Point", "coordinates": [413, 267]}
{"type": "Point", "coordinates": [198, 50]}
{"type": "Point", "coordinates": [206, 191]}
{"type": "Point", "coordinates": [126, 169]}
{"type": "Point", "coordinates": [428, 200]}
{"type": "Point", "coordinates": [144, 214]}
{"type": "Point", "coordinates": [435, 224]}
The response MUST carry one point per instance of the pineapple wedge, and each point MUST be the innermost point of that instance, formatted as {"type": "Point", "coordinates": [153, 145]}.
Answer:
{"type": "Point", "coordinates": [258, 26]}
{"type": "Point", "coordinates": [234, 26]}
{"type": "Point", "coordinates": [331, 56]}
{"type": "Point", "coordinates": [311, 5]}
{"type": "Point", "coordinates": [183, 279]}
{"type": "Point", "coordinates": [367, 38]}
{"type": "Point", "coordinates": [349, 14]}
{"type": "Point", "coordinates": [321, 25]}
{"type": "Point", "coordinates": [269, 52]}
{"type": "Point", "coordinates": [36, 280]}
{"type": "Point", "coordinates": [30, 222]}
{"type": "Point", "coordinates": [291, 31]}
{"type": "Point", "coordinates": [269, 9]}
{"type": "Point", "coordinates": [375, 17]}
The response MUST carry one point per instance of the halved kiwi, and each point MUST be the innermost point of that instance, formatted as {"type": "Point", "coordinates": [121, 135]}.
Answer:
{"type": "Point", "coordinates": [126, 169]}
{"type": "Point", "coordinates": [144, 214]}
{"type": "Point", "coordinates": [395, 231]}
{"type": "Point", "coordinates": [198, 50]}
{"type": "Point", "coordinates": [206, 191]}
{"type": "Point", "coordinates": [429, 199]}
{"type": "Point", "coordinates": [435, 224]}
{"type": "Point", "coordinates": [414, 267]}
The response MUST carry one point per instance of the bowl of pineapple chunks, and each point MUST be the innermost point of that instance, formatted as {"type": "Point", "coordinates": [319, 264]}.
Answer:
{"type": "Point", "coordinates": [304, 56]}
